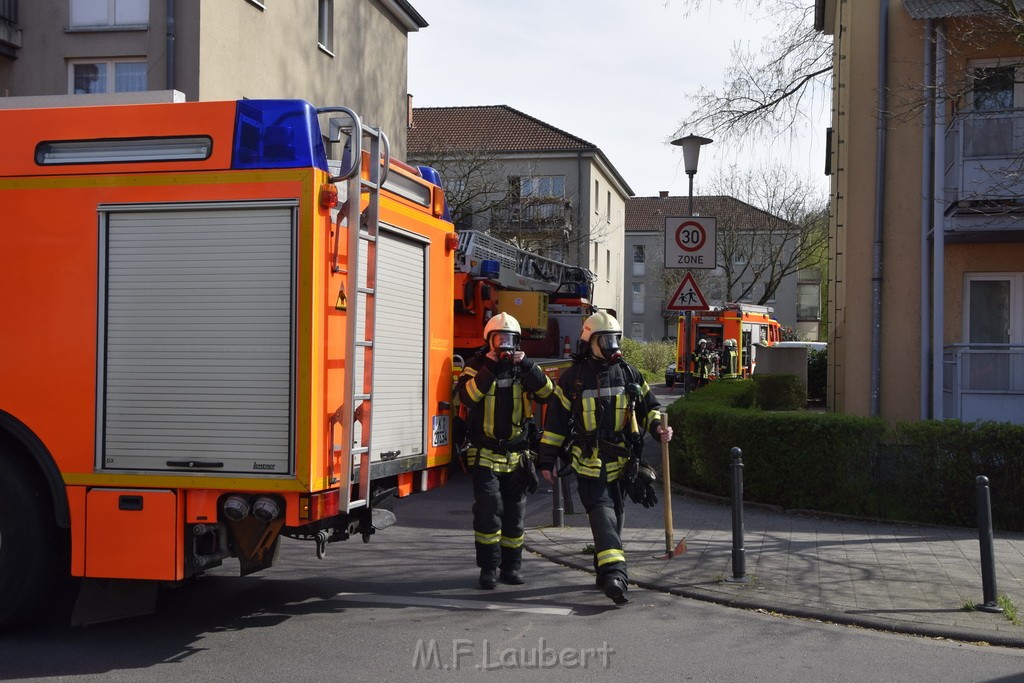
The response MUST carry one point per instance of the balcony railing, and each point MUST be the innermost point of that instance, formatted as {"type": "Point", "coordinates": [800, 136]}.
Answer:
{"type": "Point", "coordinates": [984, 173]}
{"type": "Point", "coordinates": [984, 382]}
{"type": "Point", "coordinates": [9, 11]}
{"type": "Point", "coordinates": [533, 214]}
{"type": "Point", "coordinates": [10, 37]}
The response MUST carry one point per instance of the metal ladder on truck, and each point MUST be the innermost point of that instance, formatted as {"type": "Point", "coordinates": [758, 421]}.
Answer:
{"type": "Point", "coordinates": [363, 230]}
{"type": "Point", "coordinates": [518, 267]}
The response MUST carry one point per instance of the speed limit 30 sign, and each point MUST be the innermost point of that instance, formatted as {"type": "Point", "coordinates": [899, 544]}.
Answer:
{"type": "Point", "coordinates": [690, 242]}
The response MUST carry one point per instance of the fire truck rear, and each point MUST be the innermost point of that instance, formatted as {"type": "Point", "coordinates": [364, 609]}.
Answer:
{"type": "Point", "coordinates": [213, 337]}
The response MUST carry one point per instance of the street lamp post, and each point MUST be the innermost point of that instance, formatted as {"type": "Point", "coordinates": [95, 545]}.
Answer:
{"type": "Point", "coordinates": [691, 145]}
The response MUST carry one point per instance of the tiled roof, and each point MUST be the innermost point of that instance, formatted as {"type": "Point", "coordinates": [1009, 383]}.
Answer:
{"type": "Point", "coordinates": [495, 128]}
{"type": "Point", "coordinates": [649, 213]}
{"type": "Point", "coordinates": [939, 9]}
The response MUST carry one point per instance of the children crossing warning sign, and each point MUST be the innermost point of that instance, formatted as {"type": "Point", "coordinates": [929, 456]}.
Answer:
{"type": "Point", "coordinates": [687, 296]}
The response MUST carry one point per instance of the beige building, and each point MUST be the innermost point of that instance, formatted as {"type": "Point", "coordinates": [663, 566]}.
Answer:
{"type": "Point", "coordinates": [530, 183]}
{"type": "Point", "coordinates": [329, 52]}
{"type": "Point", "coordinates": [926, 282]}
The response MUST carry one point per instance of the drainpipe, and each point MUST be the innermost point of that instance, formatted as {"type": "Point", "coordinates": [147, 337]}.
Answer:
{"type": "Point", "coordinates": [579, 217]}
{"type": "Point", "coordinates": [938, 224]}
{"type": "Point", "coordinates": [170, 44]}
{"type": "Point", "coordinates": [876, 247]}
{"type": "Point", "coordinates": [927, 169]}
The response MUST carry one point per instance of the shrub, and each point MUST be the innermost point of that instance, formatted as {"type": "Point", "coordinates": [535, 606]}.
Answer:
{"type": "Point", "coordinates": [650, 358]}
{"type": "Point", "coordinates": [916, 472]}
{"type": "Point", "coordinates": [817, 374]}
{"type": "Point", "coordinates": [779, 392]}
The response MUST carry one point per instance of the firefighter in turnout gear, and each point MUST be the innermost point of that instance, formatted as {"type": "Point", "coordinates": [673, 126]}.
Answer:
{"type": "Point", "coordinates": [595, 424]}
{"type": "Point", "coordinates": [495, 387]}
{"type": "Point", "coordinates": [703, 358]}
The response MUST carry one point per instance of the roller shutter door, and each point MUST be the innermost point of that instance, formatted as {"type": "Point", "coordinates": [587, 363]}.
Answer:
{"type": "Point", "coordinates": [197, 328]}
{"type": "Point", "coordinates": [400, 348]}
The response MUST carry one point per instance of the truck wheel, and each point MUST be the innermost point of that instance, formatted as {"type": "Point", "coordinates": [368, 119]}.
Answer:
{"type": "Point", "coordinates": [34, 569]}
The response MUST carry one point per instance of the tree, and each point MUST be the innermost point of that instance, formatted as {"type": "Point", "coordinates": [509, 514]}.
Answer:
{"type": "Point", "coordinates": [768, 92]}
{"type": "Point", "coordinates": [474, 182]}
{"type": "Point", "coordinates": [776, 229]}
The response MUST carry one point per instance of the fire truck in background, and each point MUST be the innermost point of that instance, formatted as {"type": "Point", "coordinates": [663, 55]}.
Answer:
{"type": "Point", "coordinates": [213, 337]}
{"type": "Point", "coordinates": [549, 299]}
{"type": "Point", "coordinates": [748, 324]}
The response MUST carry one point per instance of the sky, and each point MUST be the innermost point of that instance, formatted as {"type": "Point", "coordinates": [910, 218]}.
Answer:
{"type": "Point", "coordinates": [617, 73]}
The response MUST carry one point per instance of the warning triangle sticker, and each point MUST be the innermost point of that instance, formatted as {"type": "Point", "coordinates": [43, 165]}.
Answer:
{"type": "Point", "coordinates": [687, 296]}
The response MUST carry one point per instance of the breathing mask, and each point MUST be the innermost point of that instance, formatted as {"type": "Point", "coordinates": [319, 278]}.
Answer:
{"type": "Point", "coordinates": [504, 344]}
{"type": "Point", "coordinates": [606, 346]}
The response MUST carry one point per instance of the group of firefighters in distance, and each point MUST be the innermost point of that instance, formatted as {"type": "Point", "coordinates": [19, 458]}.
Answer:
{"type": "Point", "coordinates": [594, 424]}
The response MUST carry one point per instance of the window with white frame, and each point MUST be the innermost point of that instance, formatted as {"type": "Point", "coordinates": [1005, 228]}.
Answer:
{"type": "Point", "coordinates": [91, 13]}
{"type": "Point", "coordinates": [636, 330]}
{"type": "Point", "coordinates": [597, 197]}
{"type": "Point", "coordinates": [608, 265]}
{"type": "Point", "coordinates": [542, 186]}
{"type": "Point", "coordinates": [638, 298]}
{"type": "Point", "coordinates": [639, 260]}
{"type": "Point", "coordinates": [107, 76]}
{"type": "Point", "coordinates": [325, 25]}
{"type": "Point", "coordinates": [808, 301]}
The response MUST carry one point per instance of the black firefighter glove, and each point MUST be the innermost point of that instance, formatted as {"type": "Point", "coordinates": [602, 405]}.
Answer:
{"type": "Point", "coordinates": [638, 482]}
{"type": "Point", "coordinates": [523, 479]}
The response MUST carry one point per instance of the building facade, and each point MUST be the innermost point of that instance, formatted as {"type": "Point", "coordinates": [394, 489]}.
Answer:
{"type": "Point", "coordinates": [745, 235]}
{"type": "Point", "coordinates": [329, 52]}
{"type": "Point", "coordinates": [539, 187]}
{"type": "Point", "coordinates": [926, 286]}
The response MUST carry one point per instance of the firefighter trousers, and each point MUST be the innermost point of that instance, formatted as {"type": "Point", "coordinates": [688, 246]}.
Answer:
{"type": "Point", "coordinates": [604, 505]}
{"type": "Point", "coordinates": [498, 513]}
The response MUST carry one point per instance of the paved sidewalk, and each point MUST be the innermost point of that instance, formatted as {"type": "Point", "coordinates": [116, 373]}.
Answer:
{"type": "Point", "coordinates": [898, 577]}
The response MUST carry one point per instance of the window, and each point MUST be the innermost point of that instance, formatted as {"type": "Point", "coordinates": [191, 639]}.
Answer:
{"type": "Point", "coordinates": [542, 186]}
{"type": "Point", "coordinates": [992, 88]}
{"type": "Point", "coordinates": [107, 76]}
{"type": "Point", "coordinates": [607, 265]}
{"type": "Point", "coordinates": [325, 26]}
{"type": "Point", "coordinates": [109, 13]}
{"type": "Point", "coordinates": [596, 254]}
{"type": "Point", "coordinates": [638, 298]}
{"type": "Point", "coordinates": [597, 198]}
{"type": "Point", "coordinates": [636, 330]}
{"type": "Point", "coordinates": [608, 213]}
{"type": "Point", "coordinates": [639, 261]}
{"type": "Point", "coordinates": [808, 301]}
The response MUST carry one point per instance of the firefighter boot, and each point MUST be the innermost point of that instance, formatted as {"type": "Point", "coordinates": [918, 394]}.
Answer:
{"type": "Point", "coordinates": [488, 578]}
{"type": "Point", "coordinates": [615, 588]}
{"type": "Point", "coordinates": [511, 577]}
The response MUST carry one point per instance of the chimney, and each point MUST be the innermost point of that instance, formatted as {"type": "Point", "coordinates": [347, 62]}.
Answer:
{"type": "Point", "coordinates": [663, 194]}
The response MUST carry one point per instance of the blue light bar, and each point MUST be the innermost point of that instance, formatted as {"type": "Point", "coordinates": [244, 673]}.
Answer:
{"type": "Point", "coordinates": [277, 134]}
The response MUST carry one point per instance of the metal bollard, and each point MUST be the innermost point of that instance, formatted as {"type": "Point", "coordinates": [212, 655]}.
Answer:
{"type": "Point", "coordinates": [988, 560]}
{"type": "Point", "coordinates": [557, 511]}
{"type": "Point", "coordinates": [739, 560]}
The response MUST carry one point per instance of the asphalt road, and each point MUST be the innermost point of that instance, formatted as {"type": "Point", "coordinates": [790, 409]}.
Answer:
{"type": "Point", "coordinates": [405, 606]}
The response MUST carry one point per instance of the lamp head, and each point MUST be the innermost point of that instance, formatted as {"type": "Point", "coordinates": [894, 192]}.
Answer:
{"type": "Point", "coordinates": [691, 145]}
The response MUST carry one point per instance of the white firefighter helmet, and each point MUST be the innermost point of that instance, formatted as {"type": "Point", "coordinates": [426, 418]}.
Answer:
{"type": "Point", "coordinates": [702, 342]}
{"type": "Point", "coordinates": [599, 323]}
{"type": "Point", "coordinates": [730, 343]}
{"type": "Point", "coordinates": [505, 325]}
{"type": "Point", "coordinates": [602, 332]}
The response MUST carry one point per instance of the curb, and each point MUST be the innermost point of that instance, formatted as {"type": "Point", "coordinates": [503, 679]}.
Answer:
{"type": "Point", "coordinates": [803, 612]}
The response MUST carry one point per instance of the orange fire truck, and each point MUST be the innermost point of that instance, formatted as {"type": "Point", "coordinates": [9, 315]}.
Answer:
{"type": "Point", "coordinates": [550, 299]}
{"type": "Point", "coordinates": [224, 322]}
{"type": "Point", "coordinates": [748, 324]}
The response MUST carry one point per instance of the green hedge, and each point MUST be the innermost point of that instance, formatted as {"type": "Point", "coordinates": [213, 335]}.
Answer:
{"type": "Point", "coordinates": [919, 472]}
